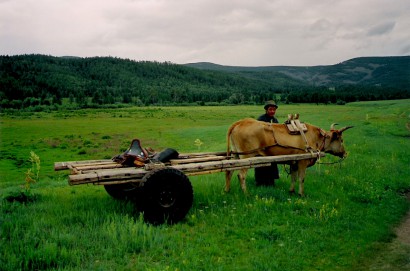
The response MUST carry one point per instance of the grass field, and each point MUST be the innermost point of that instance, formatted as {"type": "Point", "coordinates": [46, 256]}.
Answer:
{"type": "Point", "coordinates": [343, 223]}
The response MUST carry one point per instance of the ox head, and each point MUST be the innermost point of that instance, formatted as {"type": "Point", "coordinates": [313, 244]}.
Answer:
{"type": "Point", "coordinates": [334, 142]}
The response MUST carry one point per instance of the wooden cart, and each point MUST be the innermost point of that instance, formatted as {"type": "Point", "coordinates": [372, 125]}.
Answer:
{"type": "Point", "coordinates": [162, 191]}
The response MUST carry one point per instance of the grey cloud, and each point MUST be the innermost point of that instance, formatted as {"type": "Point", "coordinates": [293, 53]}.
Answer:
{"type": "Point", "coordinates": [405, 50]}
{"type": "Point", "coordinates": [381, 29]}
{"type": "Point", "coordinates": [321, 25]}
{"type": "Point", "coordinates": [235, 32]}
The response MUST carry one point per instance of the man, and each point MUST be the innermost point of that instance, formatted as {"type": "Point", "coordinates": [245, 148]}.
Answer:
{"type": "Point", "coordinates": [267, 175]}
{"type": "Point", "coordinates": [270, 111]}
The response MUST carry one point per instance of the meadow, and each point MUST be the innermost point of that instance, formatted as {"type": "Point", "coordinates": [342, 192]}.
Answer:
{"type": "Point", "coordinates": [344, 222]}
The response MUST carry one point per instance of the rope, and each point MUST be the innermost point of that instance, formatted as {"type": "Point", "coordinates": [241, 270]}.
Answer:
{"type": "Point", "coordinates": [319, 163]}
{"type": "Point", "coordinates": [332, 163]}
{"type": "Point", "coordinates": [300, 128]}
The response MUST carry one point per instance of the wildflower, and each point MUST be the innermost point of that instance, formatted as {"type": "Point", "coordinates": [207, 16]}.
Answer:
{"type": "Point", "coordinates": [198, 143]}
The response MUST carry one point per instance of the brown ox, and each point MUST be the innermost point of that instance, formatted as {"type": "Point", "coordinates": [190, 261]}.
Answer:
{"type": "Point", "coordinates": [249, 138]}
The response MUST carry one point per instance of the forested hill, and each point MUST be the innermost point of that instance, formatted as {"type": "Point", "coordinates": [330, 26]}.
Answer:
{"type": "Point", "coordinates": [36, 79]}
{"type": "Point", "coordinates": [37, 82]}
{"type": "Point", "coordinates": [369, 71]}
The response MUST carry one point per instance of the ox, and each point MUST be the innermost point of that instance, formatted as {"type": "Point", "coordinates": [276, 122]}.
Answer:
{"type": "Point", "coordinates": [249, 137]}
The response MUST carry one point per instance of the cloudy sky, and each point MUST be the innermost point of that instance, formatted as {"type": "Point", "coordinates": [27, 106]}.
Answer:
{"type": "Point", "coordinates": [227, 32]}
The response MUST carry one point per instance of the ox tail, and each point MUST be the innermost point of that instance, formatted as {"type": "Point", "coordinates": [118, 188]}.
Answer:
{"type": "Point", "coordinates": [228, 141]}
{"type": "Point", "coordinates": [228, 138]}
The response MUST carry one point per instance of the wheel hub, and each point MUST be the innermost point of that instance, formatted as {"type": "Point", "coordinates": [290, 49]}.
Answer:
{"type": "Point", "coordinates": [166, 198]}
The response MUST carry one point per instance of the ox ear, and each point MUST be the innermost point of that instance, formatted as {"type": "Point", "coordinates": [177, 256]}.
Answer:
{"type": "Point", "coordinates": [345, 128]}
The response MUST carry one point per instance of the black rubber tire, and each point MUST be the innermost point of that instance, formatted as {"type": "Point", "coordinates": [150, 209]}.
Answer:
{"type": "Point", "coordinates": [124, 191]}
{"type": "Point", "coordinates": [168, 196]}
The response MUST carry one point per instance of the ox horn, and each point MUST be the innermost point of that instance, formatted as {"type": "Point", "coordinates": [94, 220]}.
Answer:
{"type": "Point", "coordinates": [332, 127]}
{"type": "Point", "coordinates": [345, 128]}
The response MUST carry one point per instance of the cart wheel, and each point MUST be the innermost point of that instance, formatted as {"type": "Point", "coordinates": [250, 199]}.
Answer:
{"type": "Point", "coordinates": [168, 196]}
{"type": "Point", "coordinates": [123, 191]}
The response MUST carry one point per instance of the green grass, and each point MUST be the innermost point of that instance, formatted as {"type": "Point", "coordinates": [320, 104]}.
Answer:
{"type": "Point", "coordinates": [343, 223]}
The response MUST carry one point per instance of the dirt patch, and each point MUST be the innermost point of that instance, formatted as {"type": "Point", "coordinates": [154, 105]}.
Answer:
{"type": "Point", "coordinates": [395, 256]}
{"type": "Point", "coordinates": [403, 231]}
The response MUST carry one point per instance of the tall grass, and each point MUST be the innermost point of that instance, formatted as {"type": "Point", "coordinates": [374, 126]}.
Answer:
{"type": "Point", "coordinates": [348, 214]}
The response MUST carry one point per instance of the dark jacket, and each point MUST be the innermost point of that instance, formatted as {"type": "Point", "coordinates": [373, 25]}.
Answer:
{"type": "Point", "coordinates": [267, 118]}
{"type": "Point", "coordinates": [267, 175]}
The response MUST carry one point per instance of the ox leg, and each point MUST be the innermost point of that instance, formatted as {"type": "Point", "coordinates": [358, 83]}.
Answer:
{"type": "Point", "coordinates": [301, 186]}
{"type": "Point", "coordinates": [301, 175]}
{"type": "Point", "coordinates": [242, 179]}
{"type": "Point", "coordinates": [228, 177]}
{"type": "Point", "coordinates": [294, 176]}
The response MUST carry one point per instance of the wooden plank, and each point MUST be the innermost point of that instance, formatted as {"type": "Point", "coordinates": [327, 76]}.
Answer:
{"type": "Point", "coordinates": [119, 174]}
{"type": "Point", "coordinates": [64, 165]}
{"type": "Point", "coordinates": [184, 156]}
{"type": "Point", "coordinates": [82, 178]}
{"type": "Point", "coordinates": [197, 160]}
{"type": "Point", "coordinates": [119, 182]}
{"type": "Point", "coordinates": [125, 173]}
{"type": "Point", "coordinates": [222, 165]}
{"type": "Point", "coordinates": [200, 154]}
{"type": "Point", "coordinates": [235, 164]}
{"type": "Point", "coordinates": [98, 166]}
{"type": "Point", "coordinates": [224, 169]}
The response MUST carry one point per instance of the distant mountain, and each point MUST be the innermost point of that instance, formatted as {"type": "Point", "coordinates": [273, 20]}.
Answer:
{"type": "Point", "coordinates": [369, 71]}
{"type": "Point", "coordinates": [39, 82]}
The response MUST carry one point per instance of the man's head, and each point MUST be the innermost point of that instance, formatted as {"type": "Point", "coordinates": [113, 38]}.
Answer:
{"type": "Point", "coordinates": [270, 107]}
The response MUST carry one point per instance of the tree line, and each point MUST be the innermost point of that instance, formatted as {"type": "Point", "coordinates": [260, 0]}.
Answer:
{"type": "Point", "coordinates": [36, 82]}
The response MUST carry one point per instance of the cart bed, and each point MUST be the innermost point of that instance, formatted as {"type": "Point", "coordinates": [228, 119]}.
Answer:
{"type": "Point", "coordinates": [105, 172]}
